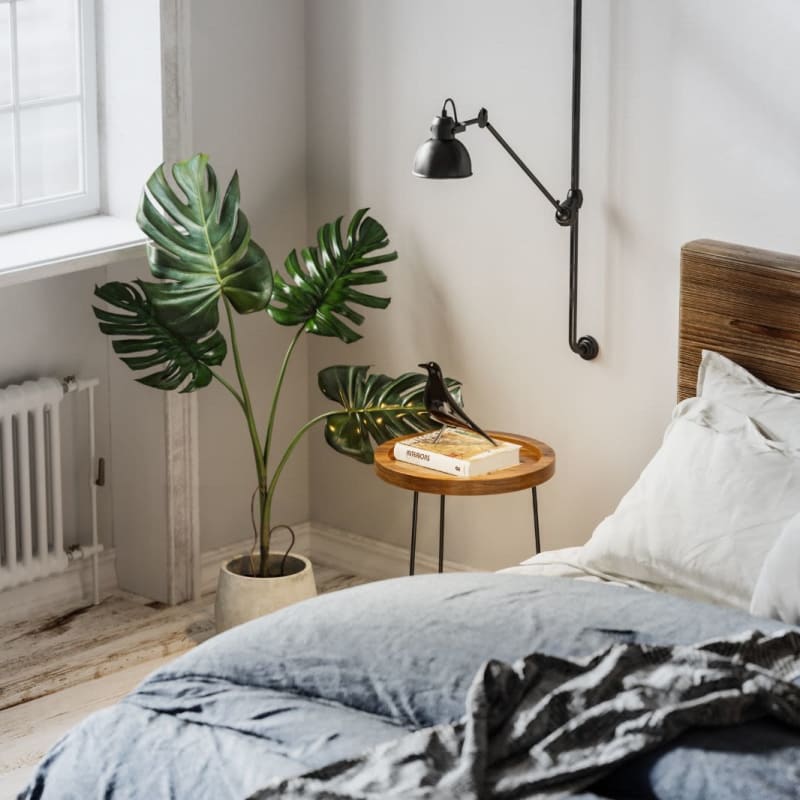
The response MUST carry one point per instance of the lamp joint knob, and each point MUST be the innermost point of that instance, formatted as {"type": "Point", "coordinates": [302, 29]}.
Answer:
{"type": "Point", "coordinates": [568, 209]}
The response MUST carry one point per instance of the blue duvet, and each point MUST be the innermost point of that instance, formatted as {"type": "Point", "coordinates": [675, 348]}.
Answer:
{"type": "Point", "coordinates": [332, 677]}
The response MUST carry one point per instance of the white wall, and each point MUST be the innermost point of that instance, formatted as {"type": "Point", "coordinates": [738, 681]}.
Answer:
{"type": "Point", "coordinates": [129, 88]}
{"type": "Point", "coordinates": [248, 113]}
{"type": "Point", "coordinates": [47, 326]}
{"type": "Point", "coordinates": [130, 123]}
{"type": "Point", "coordinates": [691, 119]}
{"type": "Point", "coordinates": [690, 129]}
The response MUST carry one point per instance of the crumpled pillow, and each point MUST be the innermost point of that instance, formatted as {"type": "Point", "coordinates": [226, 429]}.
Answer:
{"type": "Point", "coordinates": [777, 592]}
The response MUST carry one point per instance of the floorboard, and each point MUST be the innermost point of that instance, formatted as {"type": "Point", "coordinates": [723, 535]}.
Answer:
{"type": "Point", "coordinates": [56, 670]}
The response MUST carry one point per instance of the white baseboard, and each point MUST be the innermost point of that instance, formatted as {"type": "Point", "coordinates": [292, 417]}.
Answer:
{"type": "Point", "coordinates": [343, 550]}
{"type": "Point", "coordinates": [61, 592]}
{"type": "Point", "coordinates": [370, 558]}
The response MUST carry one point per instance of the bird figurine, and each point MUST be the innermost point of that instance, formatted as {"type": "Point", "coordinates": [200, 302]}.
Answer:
{"type": "Point", "coordinates": [442, 406]}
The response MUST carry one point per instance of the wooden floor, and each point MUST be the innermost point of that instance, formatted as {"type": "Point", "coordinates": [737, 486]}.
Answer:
{"type": "Point", "coordinates": [55, 671]}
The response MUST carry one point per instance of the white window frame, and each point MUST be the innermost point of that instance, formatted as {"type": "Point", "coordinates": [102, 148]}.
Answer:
{"type": "Point", "coordinates": [86, 201]}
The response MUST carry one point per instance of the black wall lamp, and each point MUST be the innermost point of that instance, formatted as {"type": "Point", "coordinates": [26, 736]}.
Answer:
{"type": "Point", "coordinates": [444, 156]}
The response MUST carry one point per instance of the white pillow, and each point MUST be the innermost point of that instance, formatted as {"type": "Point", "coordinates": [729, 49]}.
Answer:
{"type": "Point", "coordinates": [777, 592]}
{"type": "Point", "coordinates": [777, 412]}
{"type": "Point", "coordinates": [705, 511]}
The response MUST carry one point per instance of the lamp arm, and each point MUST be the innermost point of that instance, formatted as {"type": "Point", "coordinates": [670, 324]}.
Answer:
{"type": "Point", "coordinates": [521, 164]}
{"type": "Point", "coordinates": [482, 121]}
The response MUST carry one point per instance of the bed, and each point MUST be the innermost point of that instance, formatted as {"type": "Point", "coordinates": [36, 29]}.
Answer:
{"type": "Point", "coordinates": [651, 679]}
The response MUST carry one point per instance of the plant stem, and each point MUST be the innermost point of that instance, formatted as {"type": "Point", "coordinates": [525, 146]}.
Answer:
{"type": "Point", "coordinates": [276, 395]}
{"type": "Point", "coordinates": [265, 517]}
{"type": "Point", "coordinates": [247, 408]}
{"type": "Point", "coordinates": [230, 388]}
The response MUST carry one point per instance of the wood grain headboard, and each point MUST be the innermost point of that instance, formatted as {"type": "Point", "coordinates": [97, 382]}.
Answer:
{"type": "Point", "coordinates": [743, 303]}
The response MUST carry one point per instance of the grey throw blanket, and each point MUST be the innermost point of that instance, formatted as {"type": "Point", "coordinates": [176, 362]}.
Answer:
{"type": "Point", "coordinates": [547, 727]}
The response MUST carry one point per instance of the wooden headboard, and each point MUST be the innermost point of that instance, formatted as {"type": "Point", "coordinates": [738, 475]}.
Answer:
{"type": "Point", "coordinates": [743, 303]}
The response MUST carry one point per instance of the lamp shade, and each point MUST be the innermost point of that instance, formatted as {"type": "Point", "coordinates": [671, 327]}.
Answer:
{"type": "Point", "coordinates": [442, 156]}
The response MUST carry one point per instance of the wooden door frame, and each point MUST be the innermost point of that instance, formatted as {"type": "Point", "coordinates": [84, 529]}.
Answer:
{"type": "Point", "coordinates": [180, 410]}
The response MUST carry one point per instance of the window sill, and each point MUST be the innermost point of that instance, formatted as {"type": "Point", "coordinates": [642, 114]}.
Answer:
{"type": "Point", "coordinates": [67, 247]}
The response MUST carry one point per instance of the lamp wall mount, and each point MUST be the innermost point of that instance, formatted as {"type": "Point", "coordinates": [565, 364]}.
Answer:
{"type": "Point", "coordinates": [444, 156]}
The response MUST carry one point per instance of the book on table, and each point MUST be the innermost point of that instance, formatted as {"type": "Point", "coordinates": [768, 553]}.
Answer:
{"type": "Point", "coordinates": [457, 452]}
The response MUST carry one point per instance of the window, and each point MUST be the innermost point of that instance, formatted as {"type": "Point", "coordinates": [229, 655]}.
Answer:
{"type": "Point", "coordinates": [48, 112]}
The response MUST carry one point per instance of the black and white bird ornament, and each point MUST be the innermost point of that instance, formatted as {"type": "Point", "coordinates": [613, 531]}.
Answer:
{"type": "Point", "coordinates": [442, 406]}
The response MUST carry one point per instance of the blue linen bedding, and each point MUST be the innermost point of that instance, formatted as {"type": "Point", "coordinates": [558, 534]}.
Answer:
{"type": "Point", "coordinates": [548, 727]}
{"type": "Point", "coordinates": [332, 677]}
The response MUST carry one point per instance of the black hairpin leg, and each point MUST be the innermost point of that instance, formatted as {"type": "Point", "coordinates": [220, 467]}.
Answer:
{"type": "Point", "coordinates": [441, 534]}
{"type": "Point", "coordinates": [413, 556]}
{"type": "Point", "coordinates": [536, 542]}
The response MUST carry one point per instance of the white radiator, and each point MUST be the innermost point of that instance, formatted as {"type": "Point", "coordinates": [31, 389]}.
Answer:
{"type": "Point", "coordinates": [31, 513]}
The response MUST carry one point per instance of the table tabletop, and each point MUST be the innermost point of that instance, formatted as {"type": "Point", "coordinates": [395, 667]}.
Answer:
{"type": "Point", "coordinates": [537, 465]}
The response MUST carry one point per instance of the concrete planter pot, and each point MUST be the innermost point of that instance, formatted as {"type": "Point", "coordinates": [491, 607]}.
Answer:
{"type": "Point", "coordinates": [242, 597]}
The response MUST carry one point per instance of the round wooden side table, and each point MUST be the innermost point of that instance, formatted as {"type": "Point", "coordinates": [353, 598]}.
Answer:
{"type": "Point", "coordinates": [537, 465]}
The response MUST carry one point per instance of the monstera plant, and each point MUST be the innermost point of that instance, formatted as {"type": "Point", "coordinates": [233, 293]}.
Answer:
{"type": "Point", "coordinates": [201, 253]}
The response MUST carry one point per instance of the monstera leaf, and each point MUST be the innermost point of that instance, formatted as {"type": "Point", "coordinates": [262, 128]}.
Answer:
{"type": "Point", "coordinates": [148, 343]}
{"type": "Point", "coordinates": [376, 407]}
{"type": "Point", "coordinates": [320, 297]}
{"type": "Point", "coordinates": [201, 248]}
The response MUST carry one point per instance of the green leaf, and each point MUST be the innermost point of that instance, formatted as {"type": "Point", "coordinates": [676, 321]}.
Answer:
{"type": "Point", "coordinates": [322, 283]}
{"type": "Point", "coordinates": [201, 248]}
{"type": "Point", "coordinates": [145, 342]}
{"type": "Point", "coordinates": [376, 408]}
